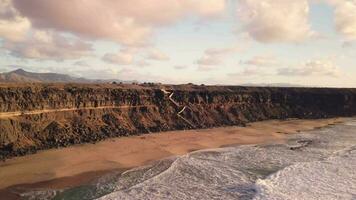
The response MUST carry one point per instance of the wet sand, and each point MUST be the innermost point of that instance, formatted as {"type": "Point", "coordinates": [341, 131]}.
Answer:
{"type": "Point", "coordinates": [73, 166]}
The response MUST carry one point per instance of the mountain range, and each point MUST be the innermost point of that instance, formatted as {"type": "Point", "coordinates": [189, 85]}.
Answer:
{"type": "Point", "coordinates": [20, 76]}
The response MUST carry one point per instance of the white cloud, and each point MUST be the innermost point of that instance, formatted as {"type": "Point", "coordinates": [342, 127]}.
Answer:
{"type": "Point", "coordinates": [134, 74]}
{"type": "Point", "coordinates": [253, 71]}
{"type": "Point", "coordinates": [215, 56]}
{"type": "Point", "coordinates": [262, 61]}
{"type": "Point", "coordinates": [81, 63]}
{"type": "Point", "coordinates": [135, 56]}
{"type": "Point", "coordinates": [345, 17]}
{"type": "Point", "coordinates": [48, 45]}
{"type": "Point", "coordinates": [275, 20]}
{"type": "Point", "coordinates": [12, 26]}
{"type": "Point", "coordinates": [180, 67]}
{"type": "Point", "coordinates": [142, 63]}
{"type": "Point", "coordinates": [126, 22]}
{"type": "Point", "coordinates": [312, 68]}
{"type": "Point", "coordinates": [209, 60]}
{"type": "Point", "coordinates": [258, 66]}
{"type": "Point", "coordinates": [121, 58]}
{"type": "Point", "coordinates": [155, 54]}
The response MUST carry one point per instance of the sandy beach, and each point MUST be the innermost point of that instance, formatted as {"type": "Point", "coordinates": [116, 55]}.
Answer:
{"type": "Point", "coordinates": [67, 167]}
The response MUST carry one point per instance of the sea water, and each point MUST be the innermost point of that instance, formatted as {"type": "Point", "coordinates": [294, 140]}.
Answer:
{"type": "Point", "coordinates": [318, 164]}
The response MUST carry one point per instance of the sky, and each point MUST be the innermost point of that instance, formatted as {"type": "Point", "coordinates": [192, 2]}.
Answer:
{"type": "Point", "coordinates": [226, 42]}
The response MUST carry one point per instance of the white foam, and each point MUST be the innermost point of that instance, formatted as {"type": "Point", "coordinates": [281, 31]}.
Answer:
{"type": "Point", "coordinates": [322, 168]}
{"type": "Point", "coordinates": [332, 179]}
{"type": "Point", "coordinates": [188, 178]}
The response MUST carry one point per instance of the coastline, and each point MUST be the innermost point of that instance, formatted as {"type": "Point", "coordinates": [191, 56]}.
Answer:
{"type": "Point", "coordinates": [72, 166]}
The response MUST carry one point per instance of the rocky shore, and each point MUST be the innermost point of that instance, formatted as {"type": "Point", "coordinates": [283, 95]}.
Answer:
{"type": "Point", "coordinates": [44, 116]}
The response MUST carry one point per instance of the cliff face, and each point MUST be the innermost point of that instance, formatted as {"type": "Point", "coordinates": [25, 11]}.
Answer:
{"type": "Point", "coordinates": [49, 116]}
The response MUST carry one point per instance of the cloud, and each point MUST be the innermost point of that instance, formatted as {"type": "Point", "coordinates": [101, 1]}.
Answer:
{"type": "Point", "coordinates": [142, 63]}
{"type": "Point", "coordinates": [345, 17]}
{"type": "Point", "coordinates": [119, 58]}
{"type": "Point", "coordinates": [134, 74]}
{"type": "Point", "coordinates": [122, 21]}
{"type": "Point", "coordinates": [137, 56]}
{"type": "Point", "coordinates": [214, 56]}
{"type": "Point", "coordinates": [180, 67]}
{"type": "Point", "coordinates": [220, 51]}
{"type": "Point", "coordinates": [14, 30]}
{"type": "Point", "coordinates": [312, 68]}
{"type": "Point", "coordinates": [20, 40]}
{"type": "Point", "coordinates": [249, 71]}
{"type": "Point", "coordinates": [262, 61]}
{"type": "Point", "coordinates": [48, 45]}
{"type": "Point", "coordinates": [347, 44]}
{"type": "Point", "coordinates": [258, 66]}
{"type": "Point", "coordinates": [252, 71]}
{"type": "Point", "coordinates": [275, 20]}
{"type": "Point", "coordinates": [155, 54]}
{"type": "Point", "coordinates": [81, 63]}
{"type": "Point", "coordinates": [129, 24]}
{"type": "Point", "coordinates": [12, 26]}
{"type": "Point", "coordinates": [209, 60]}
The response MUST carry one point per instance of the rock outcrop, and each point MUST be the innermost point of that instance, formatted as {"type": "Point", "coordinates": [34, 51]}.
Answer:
{"type": "Point", "coordinates": [43, 116]}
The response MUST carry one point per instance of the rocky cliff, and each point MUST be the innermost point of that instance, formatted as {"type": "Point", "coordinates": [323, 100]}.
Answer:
{"type": "Point", "coordinates": [43, 116]}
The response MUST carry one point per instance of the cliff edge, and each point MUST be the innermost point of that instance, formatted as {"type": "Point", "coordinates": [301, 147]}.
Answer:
{"type": "Point", "coordinates": [44, 116]}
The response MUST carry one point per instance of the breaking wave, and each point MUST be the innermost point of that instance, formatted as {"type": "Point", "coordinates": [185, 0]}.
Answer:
{"type": "Point", "coordinates": [317, 164]}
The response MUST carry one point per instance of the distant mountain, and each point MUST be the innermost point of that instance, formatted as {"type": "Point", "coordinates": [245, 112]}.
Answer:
{"type": "Point", "coordinates": [271, 85]}
{"type": "Point", "coordinates": [21, 75]}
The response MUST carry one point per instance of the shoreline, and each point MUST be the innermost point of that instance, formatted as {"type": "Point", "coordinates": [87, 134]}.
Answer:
{"type": "Point", "coordinates": [77, 165]}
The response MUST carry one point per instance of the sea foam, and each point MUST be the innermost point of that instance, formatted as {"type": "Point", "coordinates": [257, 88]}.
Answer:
{"type": "Point", "coordinates": [332, 179]}
{"type": "Point", "coordinates": [312, 165]}
{"type": "Point", "coordinates": [317, 164]}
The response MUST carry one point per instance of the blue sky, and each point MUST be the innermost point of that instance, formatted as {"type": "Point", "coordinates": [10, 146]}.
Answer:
{"type": "Point", "coordinates": [212, 42]}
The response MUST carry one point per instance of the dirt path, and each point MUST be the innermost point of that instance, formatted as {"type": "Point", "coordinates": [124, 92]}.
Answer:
{"type": "Point", "coordinates": [36, 112]}
{"type": "Point", "coordinates": [170, 97]}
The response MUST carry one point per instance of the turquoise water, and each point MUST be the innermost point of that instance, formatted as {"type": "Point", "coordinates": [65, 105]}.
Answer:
{"type": "Point", "coordinates": [313, 165]}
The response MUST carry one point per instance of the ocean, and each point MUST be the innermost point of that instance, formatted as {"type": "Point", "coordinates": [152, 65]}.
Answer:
{"type": "Point", "coordinates": [318, 164]}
